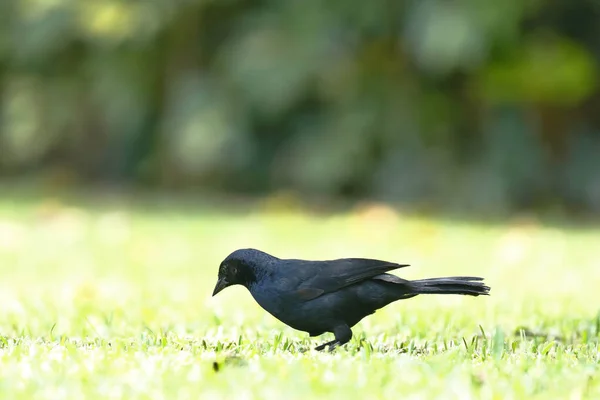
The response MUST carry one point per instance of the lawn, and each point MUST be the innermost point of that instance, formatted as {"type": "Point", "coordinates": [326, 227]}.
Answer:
{"type": "Point", "coordinates": [112, 300]}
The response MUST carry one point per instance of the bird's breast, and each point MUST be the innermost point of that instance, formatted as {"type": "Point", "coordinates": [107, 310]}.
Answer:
{"type": "Point", "coordinates": [268, 299]}
{"type": "Point", "coordinates": [292, 313]}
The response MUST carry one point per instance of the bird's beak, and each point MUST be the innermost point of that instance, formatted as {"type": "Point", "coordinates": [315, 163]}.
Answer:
{"type": "Point", "coordinates": [221, 284]}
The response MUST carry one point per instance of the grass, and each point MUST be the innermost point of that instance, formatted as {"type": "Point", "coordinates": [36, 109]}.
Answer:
{"type": "Point", "coordinates": [113, 301]}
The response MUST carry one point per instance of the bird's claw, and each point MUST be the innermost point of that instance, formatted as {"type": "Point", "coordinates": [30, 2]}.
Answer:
{"type": "Point", "coordinates": [329, 345]}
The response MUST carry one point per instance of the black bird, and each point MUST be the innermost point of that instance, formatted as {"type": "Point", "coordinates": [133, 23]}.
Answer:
{"type": "Point", "coordinates": [329, 296]}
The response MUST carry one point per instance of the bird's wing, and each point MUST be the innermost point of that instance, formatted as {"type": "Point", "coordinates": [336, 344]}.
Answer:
{"type": "Point", "coordinates": [322, 277]}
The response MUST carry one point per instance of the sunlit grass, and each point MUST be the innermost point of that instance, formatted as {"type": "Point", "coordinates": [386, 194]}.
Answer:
{"type": "Point", "coordinates": [114, 302]}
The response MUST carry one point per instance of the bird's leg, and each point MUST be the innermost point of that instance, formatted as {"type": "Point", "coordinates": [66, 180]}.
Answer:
{"type": "Point", "coordinates": [342, 333]}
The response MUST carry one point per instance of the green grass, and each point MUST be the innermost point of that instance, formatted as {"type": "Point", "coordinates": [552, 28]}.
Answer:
{"type": "Point", "coordinates": [114, 302]}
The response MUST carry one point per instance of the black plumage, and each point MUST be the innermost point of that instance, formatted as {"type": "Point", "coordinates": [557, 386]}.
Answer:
{"type": "Point", "coordinates": [329, 296]}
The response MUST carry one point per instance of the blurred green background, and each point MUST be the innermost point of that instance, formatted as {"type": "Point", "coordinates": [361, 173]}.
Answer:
{"type": "Point", "coordinates": [471, 105]}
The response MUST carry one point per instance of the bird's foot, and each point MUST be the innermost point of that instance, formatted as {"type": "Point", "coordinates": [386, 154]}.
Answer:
{"type": "Point", "coordinates": [342, 333]}
{"type": "Point", "coordinates": [331, 345]}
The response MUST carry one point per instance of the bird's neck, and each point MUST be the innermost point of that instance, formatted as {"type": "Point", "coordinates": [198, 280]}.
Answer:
{"type": "Point", "coordinates": [253, 276]}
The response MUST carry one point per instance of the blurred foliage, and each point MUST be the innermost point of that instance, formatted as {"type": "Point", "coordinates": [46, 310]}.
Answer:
{"type": "Point", "coordinates": [472, 104]}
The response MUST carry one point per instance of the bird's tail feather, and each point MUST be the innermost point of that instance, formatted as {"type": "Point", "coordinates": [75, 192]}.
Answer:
{"type": "Point", "coordinates": [465, 285]}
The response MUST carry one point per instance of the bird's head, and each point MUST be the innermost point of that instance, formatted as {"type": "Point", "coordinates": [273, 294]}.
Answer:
{"type": "Point", "coordinates": [241, 268]}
